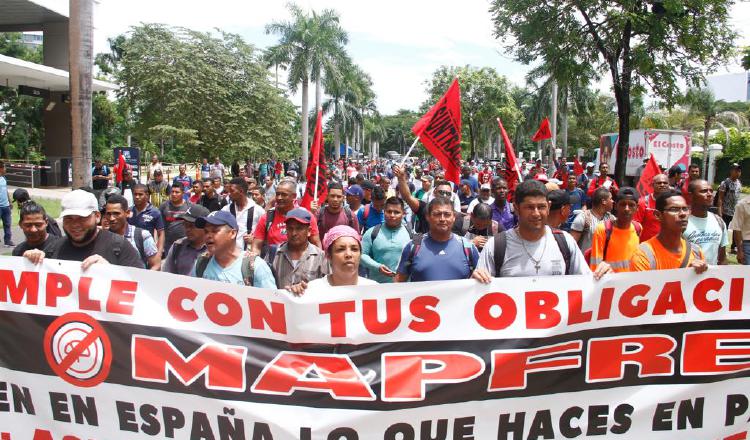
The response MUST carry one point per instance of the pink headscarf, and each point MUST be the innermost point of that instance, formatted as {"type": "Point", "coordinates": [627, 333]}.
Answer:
{"type": "Point", "coordinates": [337, 232]}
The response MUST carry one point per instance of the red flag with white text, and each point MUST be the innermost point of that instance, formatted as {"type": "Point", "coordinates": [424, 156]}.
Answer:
{"type": "Point", "coordinates": [440, 131]}
{"type": "Point", "coordinates": [316, 164]}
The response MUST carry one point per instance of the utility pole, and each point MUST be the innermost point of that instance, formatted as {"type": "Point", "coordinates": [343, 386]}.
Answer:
{"type": "Point", "coordinates": [81, 55]}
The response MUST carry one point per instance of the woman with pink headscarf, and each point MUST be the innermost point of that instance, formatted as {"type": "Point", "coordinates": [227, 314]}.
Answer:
{"type": "Point", "coordinates": [343, 248]}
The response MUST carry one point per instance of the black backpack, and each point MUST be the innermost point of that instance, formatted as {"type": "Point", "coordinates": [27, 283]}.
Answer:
{"type": "Point", "coordinates": [501, 243]}
{"type": "Point", "coordinates": [347, 211]}
{"type": "Point", "coordinates": [248, 267]}
{"type": "Point", "coordinates": [376, 231]}
{"type": "Point", "coordinates": [250, 215]}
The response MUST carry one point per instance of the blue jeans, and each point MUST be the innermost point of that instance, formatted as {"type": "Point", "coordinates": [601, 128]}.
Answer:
{"type": "Point", "coordinates": [5, 216]}
{"type": "Point", "coordinates": [746, 249]}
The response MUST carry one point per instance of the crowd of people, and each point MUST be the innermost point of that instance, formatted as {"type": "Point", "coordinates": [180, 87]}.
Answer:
{"type": "Point", "coordinates": [383, 222]}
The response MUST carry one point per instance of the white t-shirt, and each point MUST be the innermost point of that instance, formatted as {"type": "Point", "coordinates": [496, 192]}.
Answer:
{"type": "Point", "coordinates": [579, 225]}
{"type": "Point", "coordinates": [241, 217]}
{"type": "Point", "coordinates": [323, 283]}
{"type": "Point", "coordinates": [709, 233]}
{"type": "Point", "coordinates": [476, 201]}
{"type": "Point", "coordinates": [518, 264]}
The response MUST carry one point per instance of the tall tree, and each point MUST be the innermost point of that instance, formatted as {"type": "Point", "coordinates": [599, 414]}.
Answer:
{"type": "Point", "coordinates": [637, 42]}
{"type": "Point", "coordinates": [312, 45]}
{"type": "Point", "coordinates": [342, 101]}
{"type": "Point", "coordinates": [216, 85]}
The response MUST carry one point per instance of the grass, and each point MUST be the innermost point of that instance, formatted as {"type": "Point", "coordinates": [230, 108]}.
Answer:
{"type": "Point", "coordinates": [52, 206]}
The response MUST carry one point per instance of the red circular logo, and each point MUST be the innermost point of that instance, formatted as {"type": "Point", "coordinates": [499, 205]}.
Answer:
{"type": "Point", "coordinates": [78, 349]}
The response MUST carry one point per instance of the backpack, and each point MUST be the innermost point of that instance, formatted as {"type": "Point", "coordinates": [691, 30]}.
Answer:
{"type": "Point", "coordinates": [501, 243]}
{"type": "Point", "coordinates": [416, 245]}
{"type": "Point", "coordinates": [347, 211]}
{"type": "Point", "coordinates": [248, 267]}
{"type": "Point", "coordinates": [376, 230]}
{"type": "Point", "coordinates": [250, 215]}
{"type": "Point", "coordinates": [608, 228]}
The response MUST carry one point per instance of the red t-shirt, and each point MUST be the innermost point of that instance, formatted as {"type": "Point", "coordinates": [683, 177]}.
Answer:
{"type": "Point", "coordinates": [485, 177]}
{"type": "Point", "coordinates": [645, 216]}
{"type": "Point", "coordinates": [277, 232]}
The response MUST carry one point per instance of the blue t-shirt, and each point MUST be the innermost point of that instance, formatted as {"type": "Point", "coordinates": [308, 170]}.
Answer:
{"type": "Point", "coordinates": [439, 260]}
{"type": "Point", "coordinates": [4, 202]}
{"type": "Point", "coordinates": [577, 200]}
{"type": "Point", "coordinates": [186, 182]}
{"type": "Point", "coordinates": [149, 219]}
{"type": "Point", "coordinates": [262, 275]}
{"type": "Point", "coordinates": [374, 217]}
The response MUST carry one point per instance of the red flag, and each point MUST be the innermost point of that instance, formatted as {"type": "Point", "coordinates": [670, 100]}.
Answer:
{"type": "Point", "coordinates": [316, 165]}
{"type": "Point", "coordinates": [440, 131]}
{"type": "Point", "coordinates": [544, 131]}
{"type": "Point", "coordinates": [512, 172]}
{"type": "Point", "coordinates": [644, 183]}
{"type": "Point", "coordinates": [577, 167]}
{"type": "Point", "coordinates": [120, 167]}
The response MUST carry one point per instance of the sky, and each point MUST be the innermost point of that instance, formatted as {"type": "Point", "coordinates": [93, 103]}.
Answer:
{"type": "Point", "coordinates": [398, 42]}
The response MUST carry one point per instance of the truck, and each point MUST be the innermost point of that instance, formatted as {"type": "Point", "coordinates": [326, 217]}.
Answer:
{"type": "Point", "coordinates": [669, 147]}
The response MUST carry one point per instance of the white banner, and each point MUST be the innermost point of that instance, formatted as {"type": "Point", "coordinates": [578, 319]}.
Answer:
{"type": "Point", "coordinates": [119, 353]}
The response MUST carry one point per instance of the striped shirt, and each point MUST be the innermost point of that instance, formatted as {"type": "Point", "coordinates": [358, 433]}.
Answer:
{"type": "Point", "coordinates": [311, 265]}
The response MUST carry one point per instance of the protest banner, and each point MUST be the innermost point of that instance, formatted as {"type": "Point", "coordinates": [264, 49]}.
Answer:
{"type": "Point", "coordinates": [120, 353]}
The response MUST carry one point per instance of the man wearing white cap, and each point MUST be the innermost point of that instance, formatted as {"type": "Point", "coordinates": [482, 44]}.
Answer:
{"type": "Point", "coordinates": [84, 241]}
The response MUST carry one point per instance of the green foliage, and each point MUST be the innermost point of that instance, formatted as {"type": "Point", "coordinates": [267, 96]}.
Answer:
{"type": "Point", "coordinates": [746, 57]}
{"type": "Point", "coordinates": [635, 42]}
{"type": "Point", "coordinates": [398, 136]}
{"type": "Point", "coordinates": [485, 96]}
{"type": "Point", "coordinates": [738, 148]}
{"type": "Point", "coordinates": [21, 129]}
{"type": "Point", "coordinates": [215, 86]}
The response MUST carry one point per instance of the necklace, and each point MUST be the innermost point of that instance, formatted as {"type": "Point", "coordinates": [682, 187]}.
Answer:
{"type": "Point", "coordinates": [537, 262]}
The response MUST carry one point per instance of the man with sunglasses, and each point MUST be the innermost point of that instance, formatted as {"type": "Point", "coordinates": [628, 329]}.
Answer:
{"type": "Point", "coordinates": [668, 249]}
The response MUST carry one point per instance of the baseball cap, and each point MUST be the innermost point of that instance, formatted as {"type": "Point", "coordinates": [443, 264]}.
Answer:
{"type": "Point", "coordinates": [427, 177]}
{"type": "Point", "coordinates": [193, 213]}
{"type": "Point", "coordinates": [355, 190]}
{"type": "Point", "coordinates": [218, 218]}
{"type": "Point", "coordinates": [486, 186]}
{"type": "Point", "coordinates": [299, 214]}
{"type": "Point", "coordinates": [590, 164]}
{"type": "Point", "coordinates": [20, 195]}
{"type": "Point", "coordinates": [735, 166]}
{"type": "Point", "coordinates": [558, 198]}
{"type": "Point", "coordinates": [79, 202]}
{"type": "Point", "coordinates": [541, 177]}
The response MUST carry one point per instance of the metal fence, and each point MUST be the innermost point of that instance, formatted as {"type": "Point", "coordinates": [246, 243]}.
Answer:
{"type": "Point", "coordinates": [24, 174]}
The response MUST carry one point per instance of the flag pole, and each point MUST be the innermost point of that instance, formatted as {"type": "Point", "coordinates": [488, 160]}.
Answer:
{"type": "Point", "coordinates": [317, 173]}
{"type": "Point", "coordinates": [413, 144]}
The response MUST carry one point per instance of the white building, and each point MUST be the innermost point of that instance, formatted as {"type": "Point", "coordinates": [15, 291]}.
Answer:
{"type": "Point", "coordinates": [730, 87]}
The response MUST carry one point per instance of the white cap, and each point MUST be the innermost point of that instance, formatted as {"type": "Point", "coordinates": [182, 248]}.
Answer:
{"type": "Point", "coordinates": [79, 202]}
{"type": "Point", "coordinates": [590, 164]}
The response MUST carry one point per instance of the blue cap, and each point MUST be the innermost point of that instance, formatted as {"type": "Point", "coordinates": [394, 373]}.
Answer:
{"type": "Point", "coordinates": [301, 215]}
{"type": "Point", "coordinates": [217, 218]}
{"type": "Point", "coordinates": [355, 190]}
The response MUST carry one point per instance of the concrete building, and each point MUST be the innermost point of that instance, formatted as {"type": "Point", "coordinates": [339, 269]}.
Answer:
{"type": "Point", "coordinates": [48, 81]}
{"type": "Point", "coordinates": [730, 87]}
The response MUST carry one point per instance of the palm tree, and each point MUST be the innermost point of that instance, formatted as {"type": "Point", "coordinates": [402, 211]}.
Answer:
{"type": "Point", "coordinates": [81, 66]}
{"type": "Point", "coordinates": [310, 45]}
{"type": "Point", "coordinates": [342, 101]}
{"type": "Point", "coordinates": [701, 102]}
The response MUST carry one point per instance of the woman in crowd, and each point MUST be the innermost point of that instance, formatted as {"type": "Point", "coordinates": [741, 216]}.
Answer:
{"type": "Point", "coordinates": [343, 248]}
